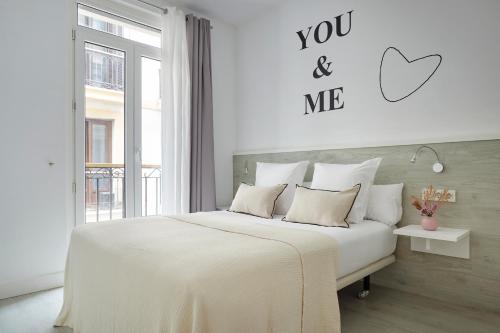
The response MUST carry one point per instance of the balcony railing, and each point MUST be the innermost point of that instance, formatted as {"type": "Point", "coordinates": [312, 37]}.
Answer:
{"type": "Point", "coordinates": [105, 191]}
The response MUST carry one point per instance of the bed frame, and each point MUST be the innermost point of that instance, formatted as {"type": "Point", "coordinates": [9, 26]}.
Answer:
{"type": "Point", "coordinates": [364, 273]}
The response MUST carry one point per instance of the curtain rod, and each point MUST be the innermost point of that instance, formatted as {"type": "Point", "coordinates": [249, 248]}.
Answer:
{"type": "Point", "coordinates": [164, 10]}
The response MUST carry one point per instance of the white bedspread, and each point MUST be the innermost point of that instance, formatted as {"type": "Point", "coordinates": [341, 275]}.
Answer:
{"type": "Point", "coordinates": [199, 273]}
{"type": "Point", "coordinates": [358, 246]}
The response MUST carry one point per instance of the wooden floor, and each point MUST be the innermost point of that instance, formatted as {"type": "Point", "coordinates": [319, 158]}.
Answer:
{"type": "Point", "coordinates": [390, 311]}
{"type": "Point", "coordinates": [384, 311]}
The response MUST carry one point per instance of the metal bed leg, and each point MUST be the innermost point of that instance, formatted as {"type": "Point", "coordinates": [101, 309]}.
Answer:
{"type": "Point", "coordinates": [366, 288]}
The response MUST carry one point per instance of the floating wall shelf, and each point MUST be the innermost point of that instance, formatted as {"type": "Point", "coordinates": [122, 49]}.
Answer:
{"type": "Point", "coordinates": [444, 241]}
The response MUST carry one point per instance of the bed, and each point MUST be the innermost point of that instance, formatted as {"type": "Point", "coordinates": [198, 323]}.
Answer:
{"type": "Point", "coordinates": [215, 272]}
{"type": "Point", "coordinates": [364, 247]}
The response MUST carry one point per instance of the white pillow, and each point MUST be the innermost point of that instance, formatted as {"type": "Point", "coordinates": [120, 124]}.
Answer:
{"type": "Point", "coordinates": [270, 174]}
{"type": "Point", "coordinates": [340, 177]}
{"type": "Point", "coordinates": [385, 203]}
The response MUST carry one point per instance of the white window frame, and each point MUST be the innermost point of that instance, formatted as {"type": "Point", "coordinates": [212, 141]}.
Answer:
{"type": "Point", "coordinates": [137, 12]}
{"type": "Point", "coordinates": [134, 51]}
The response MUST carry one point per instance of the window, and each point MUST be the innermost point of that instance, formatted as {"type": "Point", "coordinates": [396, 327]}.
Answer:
{"type": "Point", "coordinates": [104, 67]}
{"type": "Point", "coordinates": [151, 137]}
{"type": "Point", "coordinates": [105, 132]}
{"type": "Point", "coordinates": [99, 134]}
{"type": "Point", "coordinates": [118, 117]}
{"type": "Point", "coordinates": [105, 22]}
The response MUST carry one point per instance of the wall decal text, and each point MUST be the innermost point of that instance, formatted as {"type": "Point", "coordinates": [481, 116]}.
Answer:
{"type": "Point", "coordinates": [325, 71]}
{"type": "Point", "coordinates": [322, 33]}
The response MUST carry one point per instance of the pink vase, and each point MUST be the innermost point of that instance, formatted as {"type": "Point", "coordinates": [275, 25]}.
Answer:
{"type": "Point", "coordinates": [429, 223]}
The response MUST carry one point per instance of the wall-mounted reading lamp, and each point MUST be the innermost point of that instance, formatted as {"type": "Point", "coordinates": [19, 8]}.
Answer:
{"type": "Point", "coordinates": [437, 167]}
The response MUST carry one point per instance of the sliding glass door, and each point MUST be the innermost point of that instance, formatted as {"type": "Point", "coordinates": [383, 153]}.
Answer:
{"type": "Point", "coordinates": [117, 122]}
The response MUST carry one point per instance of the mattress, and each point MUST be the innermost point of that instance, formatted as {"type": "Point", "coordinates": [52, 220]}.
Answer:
{"type": "Point", "coordinates": [360, 245]}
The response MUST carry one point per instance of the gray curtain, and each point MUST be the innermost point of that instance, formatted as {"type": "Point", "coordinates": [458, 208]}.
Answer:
{"type": "Point", "coordinates": [202, 197]}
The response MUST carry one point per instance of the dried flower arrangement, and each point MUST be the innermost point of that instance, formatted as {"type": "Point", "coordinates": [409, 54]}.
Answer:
{"type": "Point", "coordinates": [432, 201]}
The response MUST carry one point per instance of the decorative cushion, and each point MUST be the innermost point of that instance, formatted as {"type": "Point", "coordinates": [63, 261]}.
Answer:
{"type": "Point", "coordinates": [322, 207]}
{"type": "Point", "coordinates": [256, 200]}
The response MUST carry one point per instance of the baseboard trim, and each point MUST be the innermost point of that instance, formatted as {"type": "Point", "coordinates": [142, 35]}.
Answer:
{"type": "Point", "coordinates": [30, 285]}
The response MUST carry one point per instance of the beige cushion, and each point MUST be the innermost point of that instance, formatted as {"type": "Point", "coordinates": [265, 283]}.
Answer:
{"type": "Point", "coordinates": [256, 200]}
{"type": "Point", "coordinates": [322, 207]}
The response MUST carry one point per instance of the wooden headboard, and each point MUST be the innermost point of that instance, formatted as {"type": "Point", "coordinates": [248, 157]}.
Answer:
{"type": "Point", "coordinates": [472, 169]}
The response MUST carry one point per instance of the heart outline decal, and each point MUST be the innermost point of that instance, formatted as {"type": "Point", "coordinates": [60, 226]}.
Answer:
{"type": "Point", "coordinates": [409, 62]}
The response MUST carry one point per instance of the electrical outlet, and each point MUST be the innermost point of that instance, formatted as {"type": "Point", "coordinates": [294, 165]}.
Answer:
{"type": "Point", "coordinates": [452, 195]}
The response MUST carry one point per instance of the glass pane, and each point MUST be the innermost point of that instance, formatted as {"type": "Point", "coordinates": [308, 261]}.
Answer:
{"type": "Point", "coordinates": [98, 143]}
{"type": "Point", "coordinates": [115, 25]}
{"type": "Point", "coordinates": [151, 137]}
{"type": "Point", "coordinates": [104, 133]}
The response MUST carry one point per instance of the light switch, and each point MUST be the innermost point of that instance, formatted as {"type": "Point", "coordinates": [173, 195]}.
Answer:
{"type": "Point", "coordinates": [452, 195]}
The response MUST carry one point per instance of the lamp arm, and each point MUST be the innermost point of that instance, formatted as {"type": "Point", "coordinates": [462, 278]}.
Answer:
{"type": "Point", "coordinates": [433, 150]}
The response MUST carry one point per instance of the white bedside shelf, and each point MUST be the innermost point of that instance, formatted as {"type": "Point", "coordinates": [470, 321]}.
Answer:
{"type": "Point", "coordinates": [444, 241]}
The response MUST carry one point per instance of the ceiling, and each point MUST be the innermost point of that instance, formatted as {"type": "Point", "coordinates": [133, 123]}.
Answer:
{"type": "Point", "coordinates": [234, 12]}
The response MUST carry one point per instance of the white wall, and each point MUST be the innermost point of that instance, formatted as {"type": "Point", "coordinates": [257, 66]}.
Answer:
{"type": "Point", "coordinates": [223, 71]}
{"type": "Point", "coordinates": [35, 120]}
{"type": "Point", "coordinates": [460, 102]}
